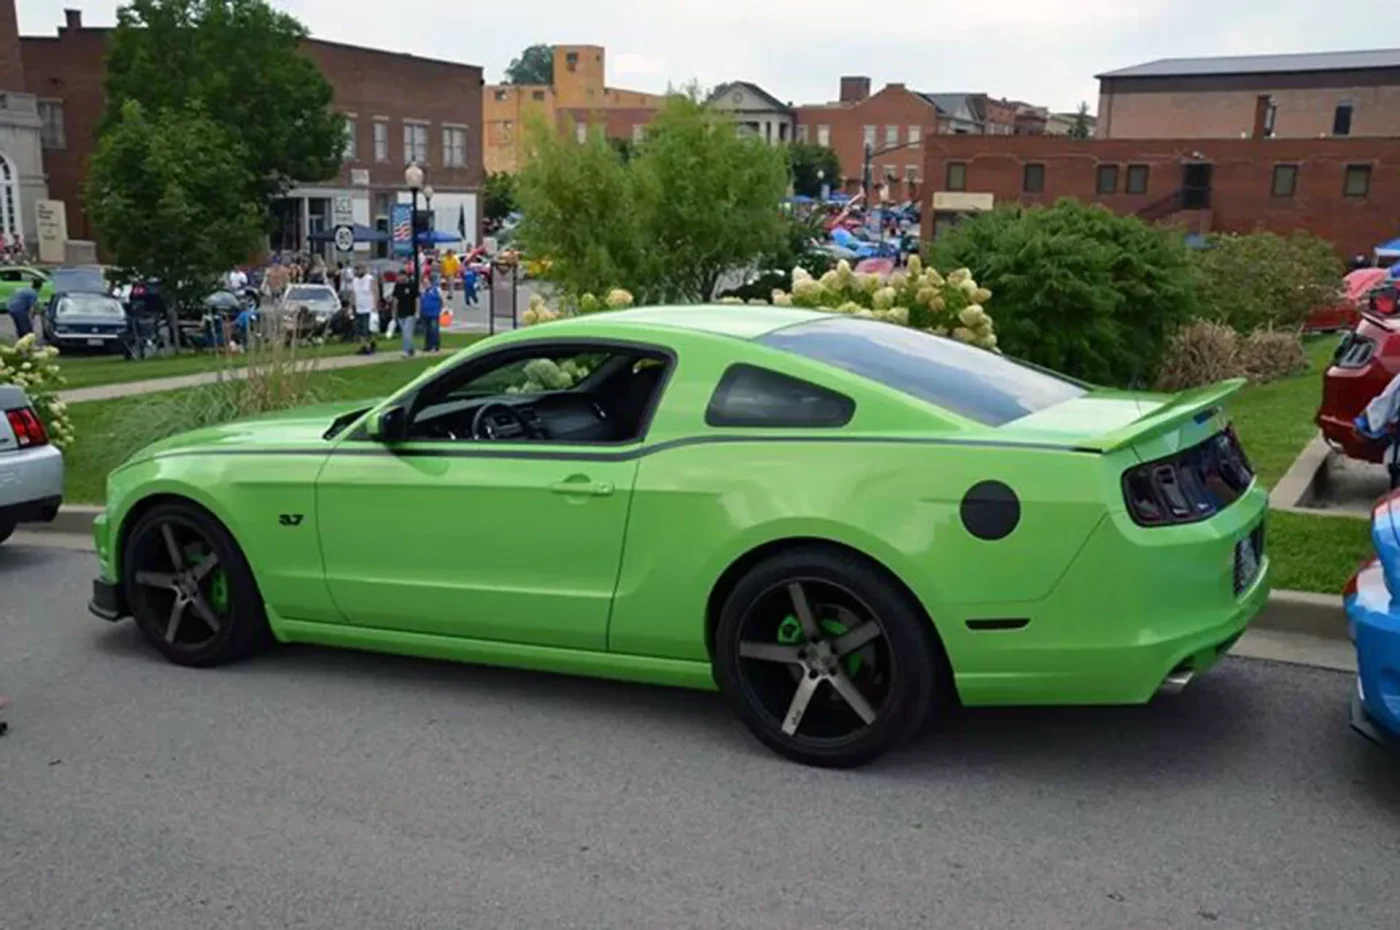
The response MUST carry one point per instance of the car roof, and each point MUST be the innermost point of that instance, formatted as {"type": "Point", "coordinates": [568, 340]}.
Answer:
{"type": "Point", "coordinates": [742, 321]}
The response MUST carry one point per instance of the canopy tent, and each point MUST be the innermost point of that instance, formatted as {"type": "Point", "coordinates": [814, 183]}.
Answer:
{"type": "Point", "coordinates": [1388, 250]}
{"type": "Point", "coordinates": [434, 236]}
{"type": "Point", "coordinates": [362, 234]}
{"type": "Point", "coordinates": [1360, 282]}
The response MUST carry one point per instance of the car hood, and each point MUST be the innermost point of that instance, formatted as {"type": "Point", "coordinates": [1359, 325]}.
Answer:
{"type": "Point", "coordinates": [299, 428]}
{"type": "Point", "coordinates": [90, 319]}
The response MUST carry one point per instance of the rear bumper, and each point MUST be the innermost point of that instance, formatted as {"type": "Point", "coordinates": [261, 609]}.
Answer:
{"type": "Point", "coordinates": [31, 485]}
{"type": "Point", "coordinates": [1375, 629]}
{"type": "Point", "coordinates": [42, 510]}
{"type": "Point", "coordinates": [1342, 434]}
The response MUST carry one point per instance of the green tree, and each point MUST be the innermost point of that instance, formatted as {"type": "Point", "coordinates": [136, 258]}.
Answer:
{"type": "Point", "coordinates": [1078, 288]}
{"type": "Point", "coordinates": [1080, 128]}
{"type": "Point", "coordinates": [241, 62]}
{"type": "Point", "coordinates": [498, 195]}
{"type": "Point", "coordinates": [624, 147]}
{"type": "Point", "coordinates": [696, 201]}
{"type": "Point", "coordinates": [534, 66]}
{"type": "Point", "coordinates": [1266, 280]}
{"type": "Point", "coordinates": [166, 192]}
{"type": "Point", "coordinates": [812, 166]}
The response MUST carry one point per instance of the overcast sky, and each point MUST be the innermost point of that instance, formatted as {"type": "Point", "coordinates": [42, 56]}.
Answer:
{"type": "Point", "coordinates": [1042, 51]}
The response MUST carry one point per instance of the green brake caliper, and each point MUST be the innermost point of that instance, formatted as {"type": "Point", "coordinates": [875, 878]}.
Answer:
{"type": "Point", "coordinates": [790, 634]}
{"type": "Point", "coordinates": [218, 591]}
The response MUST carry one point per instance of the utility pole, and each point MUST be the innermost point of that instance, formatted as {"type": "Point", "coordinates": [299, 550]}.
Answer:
{"type": "Point", "coordinates": [868, 165]}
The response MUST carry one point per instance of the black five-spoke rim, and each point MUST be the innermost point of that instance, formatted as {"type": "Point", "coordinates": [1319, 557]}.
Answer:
{"type": "Point", "coordinates": [181, 584]}
{"type": "Point", "coordinates": [816, 660]}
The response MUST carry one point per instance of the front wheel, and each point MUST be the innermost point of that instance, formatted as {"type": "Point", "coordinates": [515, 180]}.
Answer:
{"type": "Point", "coordinates": [824, 658]}
{"type": "Point", "coordinates": [191, 591]}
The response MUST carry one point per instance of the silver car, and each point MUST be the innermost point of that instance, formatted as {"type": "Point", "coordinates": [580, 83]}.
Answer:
{"type": "Point", "coordinates": [31, 469]}
{"type": "Point", "coordinates": [320, 299]}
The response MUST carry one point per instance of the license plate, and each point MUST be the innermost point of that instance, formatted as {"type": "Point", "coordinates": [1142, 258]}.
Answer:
{"type": "Point", "coordinates": [96, 342]}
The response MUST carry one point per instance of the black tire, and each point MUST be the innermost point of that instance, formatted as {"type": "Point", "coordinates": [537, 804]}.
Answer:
{"type": "Point", "coordinates": [895, 669]}
{"type": "Point", "coordinates": [7, 528]}
{"type": "Point", "coordinates": [155, 580]}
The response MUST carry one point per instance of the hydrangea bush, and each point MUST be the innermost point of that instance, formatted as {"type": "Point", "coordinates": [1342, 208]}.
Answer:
{"type": "Point", "coordinates": [34, 369]}
{"type": "Point", "coordinates": [919, 297]}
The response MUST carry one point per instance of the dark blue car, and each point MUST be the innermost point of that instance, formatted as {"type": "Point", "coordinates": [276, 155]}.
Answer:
{"type": "Point", "coordinates": [1373, 615]}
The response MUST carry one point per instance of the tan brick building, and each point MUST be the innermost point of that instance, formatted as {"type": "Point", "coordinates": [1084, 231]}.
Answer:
{"type": "Point", "coordinates": [400, 108]}
{"type": "Point", "coordinates": [1285, 96]}
{"type": "Point", "coordinates": [1344, 190]}
{"type": "Point", "coordinates": [578, 97]}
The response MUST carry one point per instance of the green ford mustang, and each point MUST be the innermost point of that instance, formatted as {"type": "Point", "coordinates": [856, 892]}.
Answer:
{"type": "Point", "coordinates": [839, 523]}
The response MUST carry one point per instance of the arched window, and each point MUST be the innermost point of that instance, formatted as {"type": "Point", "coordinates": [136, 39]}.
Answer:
{"type": "Point", "coordinates": [9, 200]}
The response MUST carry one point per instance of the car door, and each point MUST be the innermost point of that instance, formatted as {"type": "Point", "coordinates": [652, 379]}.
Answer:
{"type": "Point", "coordinates": [513, 541]}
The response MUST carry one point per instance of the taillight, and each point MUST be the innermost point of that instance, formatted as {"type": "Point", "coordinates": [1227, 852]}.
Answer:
{"type": "Point", "coordinates": [1355, 351]}
{"type": "Point", "coordinates": [1192, 485]}
{"type": "Point", "coordinates": [28, 428]}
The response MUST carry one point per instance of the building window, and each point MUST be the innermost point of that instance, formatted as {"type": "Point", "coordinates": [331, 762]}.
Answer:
{"type": "Point", "coordinates": [915, 135]}
{"type": "Point", "coordinates": [1285, 182]}
{"type": "Point", "coordinates": [351, 149]}
{"type": "Point", "coordinates": [891, 136]}
{"type": "Point", "coordinates": [824, 136]}
{"type": "Point", "coordinates": [571, 60]}
{"type": "Point", "coordinates": [580, 132]}
{"type": "Point", "coordinates": [9, 200]}
{"type": "Point", "coordinates": [51, 124]}
{"type": "Point", "coordinates": [802, 133]}
{"type": "Point", "coordinates": [381, 141]}
{"type": "Point", "coordinates": [1107, 179]}
{"type": "Point", "coordinates": [1033, 179]}
{"type": "Point", "coordinates": [1137, 179]}
{"type": "Point", "coordinates": [911, 173]}
{"type": "Point", "coordinates": [639, 132]}
{"type": "Point", "coordinates": [415, 144]}
{"type": "Point", "coordinates": [1270, 119]}
{"type": "Point", "coordinates": [1341, 120]}
{"type": "Point", "coordinates": [869, 136]}
{"type": "Point", "coordinates": [454, 146]}
{"type": "Point", "coordinates": [536, 95]}
{"type": "Point", "coordinates": [1358, 181]}
{"type": "Point", "coordinates": [501, 96]}
{"type": "Point", "coordinates": [889, 173]}
{"type": "Point", "coordinates": [957, 176]}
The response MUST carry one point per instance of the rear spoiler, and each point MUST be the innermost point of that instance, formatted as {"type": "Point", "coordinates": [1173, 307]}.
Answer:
{"type": "Point", "coordinates": [1198, 404]}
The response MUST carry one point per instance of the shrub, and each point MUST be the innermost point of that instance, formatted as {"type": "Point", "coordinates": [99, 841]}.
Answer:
{"type": "Point", "coordinates": [1269, 355]}
{"type": "Point", "coordinates": [1266, 280]}
{"type": "Point", "coordinates": [1079, 288]}
{"type": "Point", "coordinates": [35, 369]}
{"type": "Point", "coordinates": [1201, 352]}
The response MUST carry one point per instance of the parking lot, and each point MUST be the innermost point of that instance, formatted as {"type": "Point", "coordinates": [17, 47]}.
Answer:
{"type": "Point", "coordinates": [313, 788]}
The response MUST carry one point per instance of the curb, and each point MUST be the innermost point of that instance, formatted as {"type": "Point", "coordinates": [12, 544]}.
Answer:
{"type": "Point", "coordinates": [1319, 615]}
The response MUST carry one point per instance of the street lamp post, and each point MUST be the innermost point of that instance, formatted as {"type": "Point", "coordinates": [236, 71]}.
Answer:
{"type": "Point", "coordinates": [413, 177]}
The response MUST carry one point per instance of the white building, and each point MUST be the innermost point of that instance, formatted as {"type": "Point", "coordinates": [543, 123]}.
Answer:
{"type": "Point", "coordinates": [755, 110]}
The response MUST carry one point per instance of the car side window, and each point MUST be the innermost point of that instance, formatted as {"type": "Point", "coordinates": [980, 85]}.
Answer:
{"type": "Point", "coordinates": [757, 397]}
{"type": "Point", "coordinates": [9, 276]}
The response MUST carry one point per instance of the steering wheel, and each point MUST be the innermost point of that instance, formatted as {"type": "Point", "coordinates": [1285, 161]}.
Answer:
{"type": "Point", "coordinates": [484, 428]}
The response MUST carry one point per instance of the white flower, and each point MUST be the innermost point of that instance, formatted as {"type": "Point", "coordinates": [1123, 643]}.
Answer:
{"type": "Point", "coordinates": [618, 298]}
{"type": "Point", "coordinates": [781, 298]}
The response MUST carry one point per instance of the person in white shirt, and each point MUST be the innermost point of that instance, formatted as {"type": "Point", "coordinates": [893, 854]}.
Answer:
{"type": "Point", "coordinates": [364, 304]}
{"type": "Point", "coordinates": [237, 281]}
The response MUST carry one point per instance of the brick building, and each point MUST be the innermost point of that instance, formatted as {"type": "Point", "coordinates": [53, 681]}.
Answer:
{"type": "Point", "coordinates": [399, 107]}
{"type": "Point", "coordinates": [578, 98]}
{"type": "Point", "coordinates": [1344, 190]}
{"type": "Point", "coordinates": [1286, 96]}
{"type": "Point", "coordinates": [894, 121]}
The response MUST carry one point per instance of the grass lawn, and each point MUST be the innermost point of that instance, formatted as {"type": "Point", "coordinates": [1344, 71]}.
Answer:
{"type": "Point", "coordinates": [1275, 422]}
{"type": "Point", "coordinates": [91, 370]}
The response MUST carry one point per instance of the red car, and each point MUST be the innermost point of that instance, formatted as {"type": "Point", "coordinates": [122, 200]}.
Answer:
{"type": "Point", "coordinates": [1364, 363]}
{"type": "Point", "coordinates": [1345, 311]}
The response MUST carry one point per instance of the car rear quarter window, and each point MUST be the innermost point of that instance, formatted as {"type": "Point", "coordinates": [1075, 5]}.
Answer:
{"type": "Point", "coordinates": [975, 383]}
{"type": "Point", "coordinates": [751, 396]}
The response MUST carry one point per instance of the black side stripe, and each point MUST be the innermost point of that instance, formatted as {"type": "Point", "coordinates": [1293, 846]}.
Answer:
{"type": "Point", "coordinates": [466, 451]}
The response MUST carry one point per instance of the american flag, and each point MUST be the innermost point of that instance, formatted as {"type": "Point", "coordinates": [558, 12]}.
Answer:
{"type": "Point", "coordinates": [403, 227]}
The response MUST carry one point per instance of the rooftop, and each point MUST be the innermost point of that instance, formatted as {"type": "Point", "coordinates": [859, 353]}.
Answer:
{"type": "Point", "coordinates": [1262, 64]}
{"type": "Point", "coordinates": [745, 322]}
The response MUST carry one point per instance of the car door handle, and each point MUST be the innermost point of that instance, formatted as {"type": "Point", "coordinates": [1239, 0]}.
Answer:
{"type": "Point", "coordinates": [581, 485]}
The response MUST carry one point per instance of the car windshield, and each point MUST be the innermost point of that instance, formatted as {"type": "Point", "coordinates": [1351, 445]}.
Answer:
{"type": "Point", "coordinates": [304, 292]}
{"type": "Point", "coordinates": [89, 305]}
{"type": "Point", "coordinates": [80, 278]}
{"type": "Point", "coordinates": [980, 385]}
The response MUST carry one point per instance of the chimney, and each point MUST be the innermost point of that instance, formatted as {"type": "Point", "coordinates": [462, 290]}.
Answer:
{"type": "Point", "coordinates": [854, 89]}
{"type": "Point", "coordinates": [73, 19]}
{"type": "Point", "coordinates": [894, 87]}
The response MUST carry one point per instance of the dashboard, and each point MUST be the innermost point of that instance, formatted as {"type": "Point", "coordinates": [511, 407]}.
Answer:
{"type": "Point", "coordinates": [561, 417]}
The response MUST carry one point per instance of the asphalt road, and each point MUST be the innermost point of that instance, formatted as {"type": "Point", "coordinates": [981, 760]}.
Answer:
{"type": "Point", "coordinates": [313, 788]}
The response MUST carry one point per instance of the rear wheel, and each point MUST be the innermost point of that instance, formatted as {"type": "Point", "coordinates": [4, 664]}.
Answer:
{"type": "Point", "coordinates": [7, 527]}
{"type": "Point", "coordinates": [824, 659]}
{"type": "Point", "coordinates": [191, 591]}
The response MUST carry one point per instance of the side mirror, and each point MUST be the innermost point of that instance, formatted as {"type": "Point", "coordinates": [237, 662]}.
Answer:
{"type": "Point", "coordinates": [390, 425]}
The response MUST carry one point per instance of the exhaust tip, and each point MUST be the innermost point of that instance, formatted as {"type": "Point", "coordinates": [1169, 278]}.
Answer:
{"type": "Point", "coordinates": [1176, 680]}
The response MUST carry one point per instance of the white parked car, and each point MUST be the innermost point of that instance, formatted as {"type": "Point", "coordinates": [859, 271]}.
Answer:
{"type": "Point", "coordinates": [31, 469]}
{"type": "Point", "coordinates": [320, 299]}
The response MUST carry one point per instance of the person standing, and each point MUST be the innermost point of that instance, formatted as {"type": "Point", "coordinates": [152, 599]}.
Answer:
{"type": "Point", "coordinates": [430, 313]}
{"type": "Point", "coordinates": [469, 285]}
{"type": "Point", "coordinates": [451, 270]}
{"type": "Point", "coordinates": [21, 306]}
{"type": "Point", "coordinates": [364, 307]}
{"type": "Point", "coordinates": [237, 281]}
{"type": "Point", "coordinates": [405, 305]}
